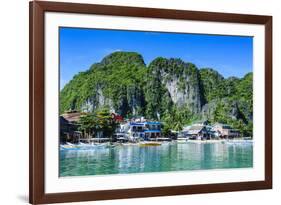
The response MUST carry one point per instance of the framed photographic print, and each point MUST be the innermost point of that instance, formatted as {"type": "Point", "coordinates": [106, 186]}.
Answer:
{"type": "Point", "coordinates": [139, 102]}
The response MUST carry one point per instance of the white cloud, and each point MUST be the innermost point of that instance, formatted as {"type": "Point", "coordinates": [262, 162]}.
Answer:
{"type": "Point", "coordinates": [111, 50]}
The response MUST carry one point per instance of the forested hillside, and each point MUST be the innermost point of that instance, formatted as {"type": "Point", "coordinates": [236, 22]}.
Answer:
{"type": "Point", "coordinates": [170, 90]}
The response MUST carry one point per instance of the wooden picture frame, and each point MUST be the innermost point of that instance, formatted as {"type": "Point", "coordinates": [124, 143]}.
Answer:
{"type": "Point", "coordinates": [37, 193]}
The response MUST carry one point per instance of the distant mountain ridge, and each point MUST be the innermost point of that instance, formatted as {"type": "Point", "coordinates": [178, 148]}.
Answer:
{"type": "Point", "coordinates": [169, 90]}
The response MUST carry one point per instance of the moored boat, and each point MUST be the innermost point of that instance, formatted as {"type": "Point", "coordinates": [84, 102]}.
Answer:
{"type": "Point", "coordinates": [150, 143]}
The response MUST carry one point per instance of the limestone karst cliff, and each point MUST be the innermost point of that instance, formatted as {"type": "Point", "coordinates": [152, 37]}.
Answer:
{"type": "Point", "coordinates": [164, 90]}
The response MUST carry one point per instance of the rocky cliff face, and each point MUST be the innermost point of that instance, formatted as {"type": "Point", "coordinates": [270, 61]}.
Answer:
{"type": "Point", "coordinates": [115, 82]}
{"type": "Point", "coordinates": [230, 108]}
{"type": "Point", "coordinates": [165, 89]}
{"type": "Point", "coordinates": [228, 100]}
{"type": "Point", "coordinates": [180, 80]}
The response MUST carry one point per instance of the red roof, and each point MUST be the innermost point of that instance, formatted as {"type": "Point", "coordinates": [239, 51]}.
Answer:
{"type": "Point", "coordinates": [117, 117]}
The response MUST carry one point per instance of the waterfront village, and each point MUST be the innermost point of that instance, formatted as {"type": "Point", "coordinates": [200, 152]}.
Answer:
{"type": "Point", "coordinates": [141, 131]}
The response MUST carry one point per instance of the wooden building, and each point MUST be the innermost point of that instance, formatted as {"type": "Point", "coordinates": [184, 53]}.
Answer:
{"type": "Point", "coordinates": [198, 132]}
{"type": "Point", "coordinates": [69, 127]}
{"type": "Point", "coordinates": [226, 131]}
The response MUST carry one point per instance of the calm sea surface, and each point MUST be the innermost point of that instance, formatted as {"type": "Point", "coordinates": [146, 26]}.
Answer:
{"type": "Point", "coordinates": [170, 156]}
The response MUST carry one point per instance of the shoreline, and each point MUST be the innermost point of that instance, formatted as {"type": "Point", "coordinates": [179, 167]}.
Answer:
{"type": "Point", "coordinates": [71, 146]}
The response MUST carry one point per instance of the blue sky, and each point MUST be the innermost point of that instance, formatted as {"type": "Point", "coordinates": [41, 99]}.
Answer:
{"type": "Point", "coordinates": [80, 48]}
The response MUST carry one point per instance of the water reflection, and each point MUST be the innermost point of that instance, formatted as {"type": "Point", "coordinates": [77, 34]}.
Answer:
{"type": "Point", "coordinates": [168, 157]}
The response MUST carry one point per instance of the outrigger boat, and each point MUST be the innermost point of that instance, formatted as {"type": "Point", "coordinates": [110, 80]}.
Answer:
{"type": "Point", "coordinates": [82, 146]}
{"type": "Point", "coordinates": [150, 143]}
{"type": "Point", "coordinates": [68, 146]}
{"type": "Point", "coordinates": [182, 139]}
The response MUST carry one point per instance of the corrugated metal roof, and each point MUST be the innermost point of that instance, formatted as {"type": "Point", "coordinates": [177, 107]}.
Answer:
{"type": "Point", "coordinates": [72, 116]}
{"type": "Point", "coordinates": [153, 123]}
{"type": "Point", "coordinates": [195, 129]}
{"type": "Point", "coordinates": [152, 131]}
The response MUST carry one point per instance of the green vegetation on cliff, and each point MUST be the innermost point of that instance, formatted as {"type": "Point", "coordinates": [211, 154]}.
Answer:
{"type": "Point", "coordinates": [229, 101]}
{"type": "Point", "coordinates": [170, 90]}
{"type": "Point", "coordinates": [116, 82]}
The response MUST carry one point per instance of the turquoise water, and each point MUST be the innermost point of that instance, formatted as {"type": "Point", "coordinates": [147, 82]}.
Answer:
{"type": "Point", "coordinates": [123, 159]}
